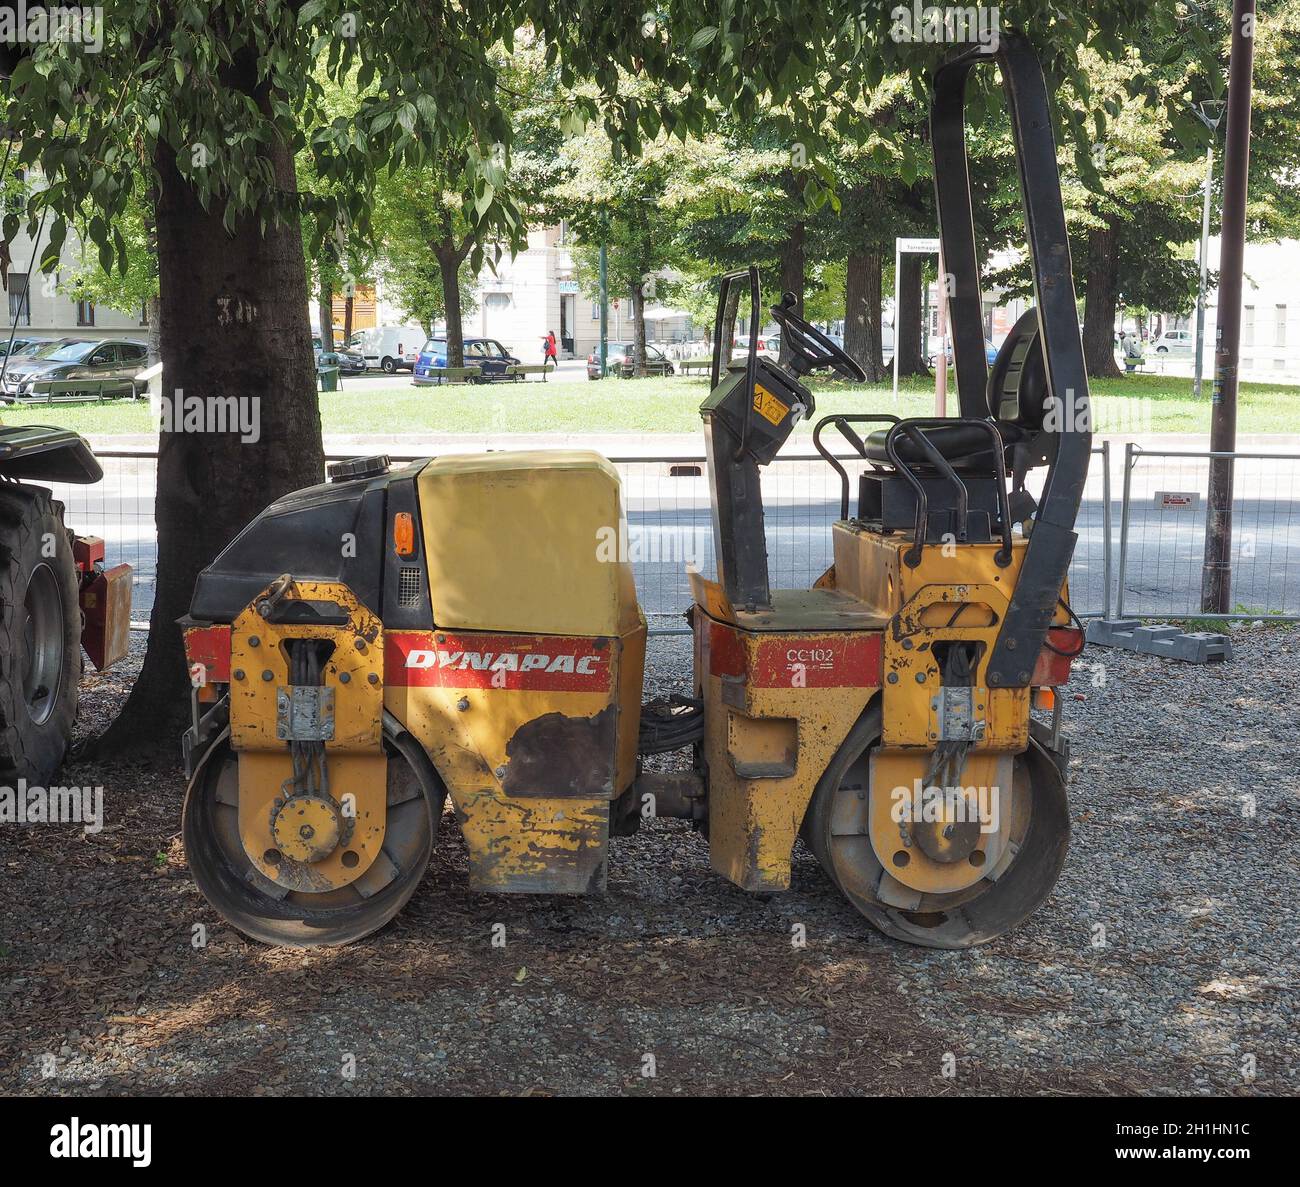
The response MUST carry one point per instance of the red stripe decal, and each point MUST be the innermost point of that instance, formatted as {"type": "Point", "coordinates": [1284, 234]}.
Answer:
{"type": "Point", "coordinates": [817, 661]}
{"type": "Point", "coordinates": [533, 663]}
{"type": "Point", "coordinates": [837, 660]}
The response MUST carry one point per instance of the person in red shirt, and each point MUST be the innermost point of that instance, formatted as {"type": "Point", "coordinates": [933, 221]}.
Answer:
{"type": "Point", "coordinates": [549, 352]}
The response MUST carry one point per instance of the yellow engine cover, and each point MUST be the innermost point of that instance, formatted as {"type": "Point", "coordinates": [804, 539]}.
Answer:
{"type": "Point", "coordinates": [531, 542]}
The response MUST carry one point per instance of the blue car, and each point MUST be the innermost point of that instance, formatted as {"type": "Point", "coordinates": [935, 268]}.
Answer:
{"type": "Point", "coordinates": [487, 354]}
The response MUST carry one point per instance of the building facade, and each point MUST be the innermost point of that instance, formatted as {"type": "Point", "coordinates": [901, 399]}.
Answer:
{"type": "Point", "coordinates": [35, 302]}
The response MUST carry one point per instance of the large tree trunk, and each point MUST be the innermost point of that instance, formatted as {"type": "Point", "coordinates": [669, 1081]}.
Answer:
{"type": "Point", "coordinates": [909, 333]}
{"type": "Point", "coordinates": [449, 261]}
{"type": "Point", "coordinates": [1099, 301]}
{"type": "Point", "coordinates": [792, 275]}
{"type": "Point", "coordinates": [638, 330]}
{"type": "Point", "coordinates": [234, 323]}
{"type": "Point", "coordinates": [325, 312]}
{"type": "Point", "coordinates": [862, 293]}
{"type": "Point", "coordinates": [348, 306]}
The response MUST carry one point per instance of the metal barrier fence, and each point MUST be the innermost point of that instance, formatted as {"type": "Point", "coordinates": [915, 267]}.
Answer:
{"type": "Point", "coordinates": [669, 526]}
{"type": "Point", "coordinates": [1162, 534]}
{"type": "Point", "coordinates": [1159, 549]}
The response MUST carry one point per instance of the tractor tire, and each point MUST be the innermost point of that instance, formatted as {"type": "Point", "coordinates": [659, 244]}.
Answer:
{"type": "Point", "coordinates": [262, 911]}
{"type": "Point", "coordinates": [40, 635]}
{"type": "Point", "coordinates": [962, 919]}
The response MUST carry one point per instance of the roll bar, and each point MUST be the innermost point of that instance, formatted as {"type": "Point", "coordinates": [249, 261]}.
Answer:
{"type": "Point", "coordinates": [1051, 543]}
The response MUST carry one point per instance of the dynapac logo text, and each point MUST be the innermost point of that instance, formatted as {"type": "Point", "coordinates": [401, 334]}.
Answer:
{"type": "Point", "coordinates": [505, 661]}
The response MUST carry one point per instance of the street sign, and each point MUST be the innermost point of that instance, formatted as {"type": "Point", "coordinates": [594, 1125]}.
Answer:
{"type": "Point", "coordinates": [917, 246]}
{"type": "Point", "coordinates": [1176, 500]}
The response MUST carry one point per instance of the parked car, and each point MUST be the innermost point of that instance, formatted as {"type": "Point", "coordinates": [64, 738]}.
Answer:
{"type": "Point", "coordinates": [108, 365]}
{"type": "Point", "coordinates": [22, 345]}
{"type": "Point", "coordinates": [487, 354]}
{"type": "Point", "coordinates": [1175, 342]}
{"type": "Point", "coordinates": [619, 361]}
{"type": "Point", "coordinates": [990, 352]}
{"type": "Point", "coordinates": [390, 348]}
{"type": "Point", "coordinates": [345, 358]}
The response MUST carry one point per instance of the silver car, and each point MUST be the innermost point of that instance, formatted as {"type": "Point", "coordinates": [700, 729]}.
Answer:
{"type": "Point", "coordinates": [109, 367]}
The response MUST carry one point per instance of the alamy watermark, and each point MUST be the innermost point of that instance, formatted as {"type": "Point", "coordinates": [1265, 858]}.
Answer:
{"type": "Point", "coordinates": [43, 24]}
{"type": "Point", "coordinates": [32, 804]}
{"type": "Point", "coordinates": [179, 413]}
{"type": "Point", "coordinates": [930, 24]}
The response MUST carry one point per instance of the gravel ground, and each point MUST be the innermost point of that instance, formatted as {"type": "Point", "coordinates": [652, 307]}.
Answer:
{"type": "Point", "coordinates": [1164, 962]}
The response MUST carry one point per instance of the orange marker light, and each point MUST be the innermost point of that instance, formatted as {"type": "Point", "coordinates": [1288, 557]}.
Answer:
{"type": "Point", "coordinates": [403, 533]}
{"type": "Point", "coordinates": [1044, 698]}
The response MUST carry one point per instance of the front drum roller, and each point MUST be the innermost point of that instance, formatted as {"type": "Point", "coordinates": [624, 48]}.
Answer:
{"type": "Point", "coordinates": [259, 908]}
{"type": "Point", "coordinates": [1040, 831]}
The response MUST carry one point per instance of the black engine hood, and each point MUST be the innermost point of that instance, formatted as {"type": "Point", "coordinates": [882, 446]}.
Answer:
{"type": "Point", "coordinates": [333, 532]}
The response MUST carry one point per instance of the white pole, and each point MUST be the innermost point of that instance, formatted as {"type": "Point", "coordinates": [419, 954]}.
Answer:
{"type": "Point", "coordinates": [941, 363]}
{"type": "Point", "coordinates": [896, 320]}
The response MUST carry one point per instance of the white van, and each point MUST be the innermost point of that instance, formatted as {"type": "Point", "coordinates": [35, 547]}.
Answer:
{"type": "Point", "coordinates": [390, 348]}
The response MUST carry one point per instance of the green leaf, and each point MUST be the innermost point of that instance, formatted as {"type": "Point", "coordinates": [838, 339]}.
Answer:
{"type": "Point", "coordinates": [703, 37]}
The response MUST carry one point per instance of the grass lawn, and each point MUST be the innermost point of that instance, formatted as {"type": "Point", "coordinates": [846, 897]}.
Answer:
{"type": "Point", "coordinates": [1134, 404]}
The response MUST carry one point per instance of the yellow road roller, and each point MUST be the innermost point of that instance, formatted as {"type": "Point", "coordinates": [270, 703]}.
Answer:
{"type": "Point", "coordinates": [467, 627]}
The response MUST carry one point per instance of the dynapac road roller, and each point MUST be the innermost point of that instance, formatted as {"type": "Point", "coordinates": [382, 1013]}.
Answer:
{"type": "Point", "coordinates": [460, 627]}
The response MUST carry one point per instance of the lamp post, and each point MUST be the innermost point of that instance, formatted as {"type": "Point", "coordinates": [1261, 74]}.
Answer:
{"type": "Point", "coordinates": [1209, 112]}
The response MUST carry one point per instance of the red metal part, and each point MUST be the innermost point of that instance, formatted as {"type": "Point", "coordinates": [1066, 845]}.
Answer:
{"type": "Point", "coordinates": [1052, 669]}
{"type": "Point", "coordinates": [87, 552]}
{"type": "Point", "coordinates": [209, 646]}
{"type": "Point", "coordinates": [105, 598]}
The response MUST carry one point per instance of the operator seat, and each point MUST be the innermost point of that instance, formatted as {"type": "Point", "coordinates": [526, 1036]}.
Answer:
{"type": "Point", "coordinates": [1017, 395]}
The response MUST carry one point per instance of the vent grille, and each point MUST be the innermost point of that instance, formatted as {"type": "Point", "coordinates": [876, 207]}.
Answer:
{"type": "Point", "coordinates": [410, 586]}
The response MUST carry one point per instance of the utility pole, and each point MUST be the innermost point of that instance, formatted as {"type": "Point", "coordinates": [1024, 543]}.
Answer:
{"type": "Point", "coordinates": [1216, 574]}
{"type": "Point", "coordinates": [1203, 111]}
{"type": "Point", "coordinates": [604, 306]}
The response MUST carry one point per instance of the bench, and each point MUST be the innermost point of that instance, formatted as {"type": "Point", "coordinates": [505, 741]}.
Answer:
{"type": "Point", "coordinates": [687, 365]}
{"type": "Point", "coordinates": [455, 374]}
{"type": "Point", "coordinates": [47, 391]}
{"type": "Point", "coordinates": [522, 370]}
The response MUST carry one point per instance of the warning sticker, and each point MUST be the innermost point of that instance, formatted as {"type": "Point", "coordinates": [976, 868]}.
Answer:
{"type": "Point", "coordinates": [768, 406]}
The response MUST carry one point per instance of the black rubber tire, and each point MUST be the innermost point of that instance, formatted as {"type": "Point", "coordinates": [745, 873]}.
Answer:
{"type": "Point", "coordinates": [233, 886]}
{"type": "Point", "coordinates": [965, 918]}
{"type": "Point", "coordinates": [388, 366]}
{"type": "Point", "coordinates": [34, 735]}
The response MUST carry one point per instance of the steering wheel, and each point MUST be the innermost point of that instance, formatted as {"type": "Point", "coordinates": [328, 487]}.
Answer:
{"type": "Point", "coordinates": [809, 348]}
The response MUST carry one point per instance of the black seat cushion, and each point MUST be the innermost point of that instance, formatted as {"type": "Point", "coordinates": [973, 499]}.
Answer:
{"type": "Point", "coordinates": [967, 444]}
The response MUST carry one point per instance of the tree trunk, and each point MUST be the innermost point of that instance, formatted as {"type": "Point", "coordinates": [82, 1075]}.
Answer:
{"type": "Point", "coordinates": [233, 322]}
{"type": "Point", "coordinates": [862, 292]}
{"type": "Point", "coordinates": [1099, 302]}
{"type": "Point", "coordinates": [792, 275]}
{"type": "Point", "coordinates": [909, 333]}
{"type": "Point", "coordinates": [348, 302]}
{"type": "Point", "coordinates": [449, 261]}
{"type": "Point", "coordinates": [638, 330]}
{"type": "Point", "coordinates": [325, 312]}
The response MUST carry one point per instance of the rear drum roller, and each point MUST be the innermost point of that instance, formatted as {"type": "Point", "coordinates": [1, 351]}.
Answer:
{"type": "Point", "coordinates": [301, 919]}
{"type": "Point", "coordinates": [1040, 830]}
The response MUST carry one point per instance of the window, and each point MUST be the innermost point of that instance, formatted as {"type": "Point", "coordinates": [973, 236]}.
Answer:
{"type": "Point", "coordinates": [144, 313]}
{"type": "Point", "coordinates": [20, 300]}
{"type": "Point", "coordinates": [1248, 326]}
{"type": "Point", "coordinates": [85, 313]}
{"type": "Point", "coordinates": [105, 355]}
{"type": "Point", "coordinates": [133, 352]}
{"type": "Point", "coordinates": [1279, 332]}
{"type": "Point", "coordinates": [595, 311]}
